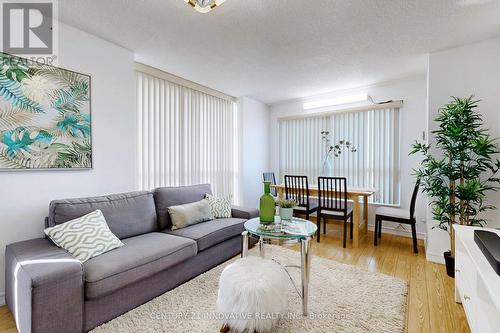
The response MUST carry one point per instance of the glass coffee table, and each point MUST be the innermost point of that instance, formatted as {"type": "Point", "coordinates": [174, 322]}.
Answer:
{"type": "Point", "coordinates": [254, 228]}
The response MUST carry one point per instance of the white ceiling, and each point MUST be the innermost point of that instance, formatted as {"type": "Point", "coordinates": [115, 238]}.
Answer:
{"type": "Point", "coordinates": [273, 50]}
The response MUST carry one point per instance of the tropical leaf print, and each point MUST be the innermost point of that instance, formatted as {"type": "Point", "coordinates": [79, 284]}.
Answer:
{"type": "Point", "coordinates": [21, 140]}
{"type": "Point", "coordinates": [64, 78]}
{"type": "Point", "coordinates": [27, 160]}
{"type": "Point", "coordinates": [12, 117]}
{"type": "Point", "coordinates": [11, 92]}
{"type": "Point", "coordinates": [13, 162]}
{"type": "Point", "coordinates": [80, 154]}
{"type": "Point", "coordinates": [73, 124]}
{"type": "Point", "coordinates": [68, 100]}
{"type": "Point", "coordinates": [14, 68]}
{"type": "Point", "coordinates": [44, 116]}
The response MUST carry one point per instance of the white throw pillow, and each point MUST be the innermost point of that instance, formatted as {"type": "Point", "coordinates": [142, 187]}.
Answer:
{"type": "Point", "coordinates": [191, 213]}
{"type": "Point", "coordinates": [84, 237]}
{"type": "Point", "coordinates": [221, 206]}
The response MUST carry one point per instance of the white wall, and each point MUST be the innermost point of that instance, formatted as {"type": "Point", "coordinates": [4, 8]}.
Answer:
{"type": "Point", "coordinates": [254, 141]}
{"type": "Point", "coordinates": [463, 71]}
{"type": "Point", "coordinates": [412, 123]}
{"type": "Point", "coordinates": [25, 196]}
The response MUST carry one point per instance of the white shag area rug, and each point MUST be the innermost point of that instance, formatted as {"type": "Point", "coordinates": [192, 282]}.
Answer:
{"type": "Point", "coordinates": [342, 298]}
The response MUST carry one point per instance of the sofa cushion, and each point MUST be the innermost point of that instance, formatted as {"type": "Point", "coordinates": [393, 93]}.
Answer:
{"type": "Point", "coordinates": [207, 234]}
{"type": "Point", "coordinates": [127, 214]}
{"type": "Point", "coordinates": [141, 256]}
{"type": "Point", "coordinates": [165, 197]}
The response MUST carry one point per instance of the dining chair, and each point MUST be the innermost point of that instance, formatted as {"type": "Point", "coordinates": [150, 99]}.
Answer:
{"type": "Point", "coordinates": [269, 177]}
{"type": "Point", "coordinates": [297, 188]}
{"type": "Point", "coordinates": [332, 204]}
{"type": "Point", "coordinates": [398, 215]}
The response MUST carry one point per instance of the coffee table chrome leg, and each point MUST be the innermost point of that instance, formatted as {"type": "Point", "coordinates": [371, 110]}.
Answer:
{"type": "Point", "coordinates": [306, 269]}
{"type": "Point", "coordinates": [244, 244]}
{"type": "Point", "coordinates": [261, 247]}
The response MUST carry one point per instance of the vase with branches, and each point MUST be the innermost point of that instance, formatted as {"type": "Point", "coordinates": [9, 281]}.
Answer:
{"type": "Point", "coordinates": [458, 176]}
{"type": "Point", "coordinates": [334, 150]}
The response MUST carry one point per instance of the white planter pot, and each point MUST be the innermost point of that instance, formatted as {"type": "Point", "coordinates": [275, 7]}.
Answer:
{"type": "Point", "coordinates": [286, 213]}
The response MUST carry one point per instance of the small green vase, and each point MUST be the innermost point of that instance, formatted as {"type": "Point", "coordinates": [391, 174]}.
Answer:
{"type": "Point", "coordinates": [267, 205]}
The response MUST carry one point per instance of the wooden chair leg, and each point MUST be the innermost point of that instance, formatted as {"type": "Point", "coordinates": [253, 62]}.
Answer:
{"type": "Point", "coordinates": [318, 224]}
{"type": "Point", "coordinates": [345, 233]}
{"type": "Point", "coordinates": [351, 226]}
{"type": "Point", "coordinates": [414, 236]}
{"type": "Point", "coordinates": [324, 226]}
{"type": "Point", "coordinates": [379, 228]}
{"type": "Point", "coordinates": [375, 231]}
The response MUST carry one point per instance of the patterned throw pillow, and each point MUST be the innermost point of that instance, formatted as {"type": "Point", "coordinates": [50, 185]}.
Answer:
{"type": "Point", "coordinates": [221, 206]}
{"type": "Point", "coordinates": [85, 237]}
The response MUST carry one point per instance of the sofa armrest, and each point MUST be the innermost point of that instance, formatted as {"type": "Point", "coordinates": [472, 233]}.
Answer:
{"type": "Point", "coordinates": [244, 212]}
{"type": "Point", "coordinates": [44, 287]}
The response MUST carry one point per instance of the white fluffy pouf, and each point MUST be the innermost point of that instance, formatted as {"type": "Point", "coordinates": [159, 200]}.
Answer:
{"type": "Point", "coordinates": [252, 294]}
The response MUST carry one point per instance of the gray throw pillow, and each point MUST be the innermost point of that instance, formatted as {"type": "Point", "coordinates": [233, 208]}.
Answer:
{"type": "Point", "coordinates": [85, 237]}
{"type": "Point", "coordinates": [191, 213]}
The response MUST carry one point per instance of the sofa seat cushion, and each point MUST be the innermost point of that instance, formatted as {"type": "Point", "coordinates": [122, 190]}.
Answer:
{"type": "Point", "coordinates": [207, 234]}
{"type": "Point", "coordinates": [140, 257]}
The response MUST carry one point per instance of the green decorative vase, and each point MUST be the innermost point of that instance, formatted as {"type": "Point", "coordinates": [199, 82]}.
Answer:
{"type": "Point", "coordinates": [267, 205]}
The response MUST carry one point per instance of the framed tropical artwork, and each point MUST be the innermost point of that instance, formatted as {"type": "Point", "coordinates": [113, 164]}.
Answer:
{"type": "Point", "coordinates": [45, 116]}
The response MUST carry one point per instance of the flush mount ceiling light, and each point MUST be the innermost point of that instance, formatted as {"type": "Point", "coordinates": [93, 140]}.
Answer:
{"type": "Point", "coordinates": [204, 6]}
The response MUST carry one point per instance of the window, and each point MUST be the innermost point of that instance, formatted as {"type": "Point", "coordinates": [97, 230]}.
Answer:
{"type": "Point", "coordinates": [185, 136]}
{"type": "Point", "coordinates": [375, 134]}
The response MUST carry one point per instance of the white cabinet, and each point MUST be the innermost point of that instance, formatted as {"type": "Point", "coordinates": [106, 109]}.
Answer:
{"type": "Point", "coordinates": [477, 286]}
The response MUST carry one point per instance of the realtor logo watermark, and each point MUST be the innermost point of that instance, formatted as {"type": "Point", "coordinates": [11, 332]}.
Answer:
{"type": "Point", "coordinates": [29, 29]}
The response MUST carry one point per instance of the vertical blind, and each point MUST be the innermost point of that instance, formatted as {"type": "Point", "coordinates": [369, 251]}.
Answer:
{"type": "Point", "coordinates": [375, 164]}
{"type": "Point", "coordinates": [300, 148]}
{"type": "Point", "coordinates": [185, 136]}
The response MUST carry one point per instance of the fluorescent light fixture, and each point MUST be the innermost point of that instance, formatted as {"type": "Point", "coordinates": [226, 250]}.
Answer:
{"type": "Point", "coordinates": [204, 6]}
{"type": "Point", "coordinates": [336, 101]}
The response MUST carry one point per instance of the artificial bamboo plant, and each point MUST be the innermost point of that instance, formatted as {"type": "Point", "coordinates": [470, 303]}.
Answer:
{"type": "Point", "coordinates": [458, 177]}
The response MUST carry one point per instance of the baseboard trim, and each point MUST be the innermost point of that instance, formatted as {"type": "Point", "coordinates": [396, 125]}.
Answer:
{"type": "Point", "coordinates": [434, 257]}
{"type": "Point", "coordinates": [2, 298]}
{"type": "Point", "coordinates": [398, 232]}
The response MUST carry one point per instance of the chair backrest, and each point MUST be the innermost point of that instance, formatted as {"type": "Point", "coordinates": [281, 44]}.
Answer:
{"type": "Point", "coordinates": [332, 193]}
{"type": "Point", "coordinates": [414, 200]}
{"type": "Point", "coordinates": [297, 188]}
{"type": "Point", "coordinates": [269, 177]}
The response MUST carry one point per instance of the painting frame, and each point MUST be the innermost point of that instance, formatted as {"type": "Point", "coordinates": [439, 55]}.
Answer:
{"type": "Point", "coordinates": [85, 131]}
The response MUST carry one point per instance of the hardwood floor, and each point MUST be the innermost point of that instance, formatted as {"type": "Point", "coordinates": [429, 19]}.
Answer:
{"type": "Point", "coordinates": [7, 324]}
{"type": "Point", "coordinates": [431, 305]}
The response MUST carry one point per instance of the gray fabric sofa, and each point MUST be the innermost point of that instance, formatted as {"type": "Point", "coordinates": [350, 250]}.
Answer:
{"type": "Point", "coordinates": [47, 290]}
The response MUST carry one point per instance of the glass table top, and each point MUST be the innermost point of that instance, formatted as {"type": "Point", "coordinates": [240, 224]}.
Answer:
{"type": "Point", "coordinates": [275, 230]}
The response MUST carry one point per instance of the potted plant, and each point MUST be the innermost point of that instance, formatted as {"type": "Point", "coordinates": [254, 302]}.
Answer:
{"type": "Point", "coordinates": [286, 208]}
{"type": "Point", "coordinates": [461, 172]}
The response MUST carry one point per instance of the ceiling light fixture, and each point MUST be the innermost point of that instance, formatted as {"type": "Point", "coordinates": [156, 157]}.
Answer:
{"type": "Point", "coordinates": [204, 6]}
{"type": "Point", "coordinates": [336, 101]}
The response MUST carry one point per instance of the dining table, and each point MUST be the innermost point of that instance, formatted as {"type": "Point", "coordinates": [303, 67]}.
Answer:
{"type": "Point", "coordinates": [355, 194]}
